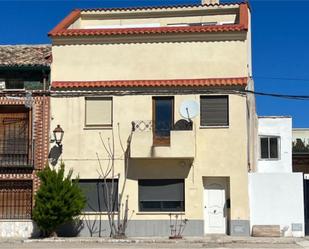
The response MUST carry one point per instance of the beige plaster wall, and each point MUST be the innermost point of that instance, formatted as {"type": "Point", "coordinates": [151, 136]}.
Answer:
{"type": "Point", "coordinates": [88, 22]}
{"type": "Point", "coordinates": [219, 151]}
{"type": "Point", "coordinates": [161, 60]}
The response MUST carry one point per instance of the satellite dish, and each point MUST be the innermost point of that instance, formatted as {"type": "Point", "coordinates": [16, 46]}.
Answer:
{"type": "Point", "coordinates": [189, 109]}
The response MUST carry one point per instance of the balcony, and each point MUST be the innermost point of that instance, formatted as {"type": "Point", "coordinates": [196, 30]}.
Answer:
{"type": "Point", "coordinates": [16, 153]}
{"type": "Point", "coordinates": [181, 144]}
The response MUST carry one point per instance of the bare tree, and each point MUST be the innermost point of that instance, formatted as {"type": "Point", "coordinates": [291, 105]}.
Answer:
{"type": "Point", "coordinates": [116, 205]}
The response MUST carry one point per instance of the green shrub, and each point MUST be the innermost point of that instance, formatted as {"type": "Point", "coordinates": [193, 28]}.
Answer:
{"type": "Point", "coordinates": [58, 200]}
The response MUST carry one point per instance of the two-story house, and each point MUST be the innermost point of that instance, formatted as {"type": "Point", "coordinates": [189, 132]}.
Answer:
{"type": "Point", "coordinates": [276, 193]}
{"type": "Point", "coordinates": [24, 132]}
{"type": "Point", "coordinates": [176, 78]}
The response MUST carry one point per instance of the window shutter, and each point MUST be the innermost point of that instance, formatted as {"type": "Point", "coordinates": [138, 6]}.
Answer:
{"type": "Point", "coordinates": [214, 111]}
{"type": "Point", "coordinates": [98, 111]}
{"type": "Point", "coordinates": [161, 190]}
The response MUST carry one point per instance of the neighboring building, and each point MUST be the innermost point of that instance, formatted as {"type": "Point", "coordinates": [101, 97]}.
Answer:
{"type": "Point", "coordinates": [24, 132]}
{"type": "Point", "coordinates": [301, 164]}
{"type": "Point", "coordinates": [276, 194]}
{"type": "Point", "coordinates": [112, 67]}
{"type": "Point", "coordinates": [301, 150]}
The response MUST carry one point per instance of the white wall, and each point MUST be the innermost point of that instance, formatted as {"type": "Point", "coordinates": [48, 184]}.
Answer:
{"type": "Point", "coordinates": [281, 127]}
{"type": "Point", "coordinates": [277, 199]}
{"type": "Point", "coordinates": [18, 229]}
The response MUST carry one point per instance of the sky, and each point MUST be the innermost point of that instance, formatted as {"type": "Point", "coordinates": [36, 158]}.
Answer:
{"type": "Point", "coordinates": [280, 43]}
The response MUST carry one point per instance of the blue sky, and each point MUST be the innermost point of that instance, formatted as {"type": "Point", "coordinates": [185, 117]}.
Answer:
{"type": "Point", "coordinates": [280, 43]}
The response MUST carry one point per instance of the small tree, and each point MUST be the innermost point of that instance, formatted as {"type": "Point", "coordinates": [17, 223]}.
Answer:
{"type": "Point", "coordinates": [117, 207]}
{"type": "Point", "coordinates": [58, 200]}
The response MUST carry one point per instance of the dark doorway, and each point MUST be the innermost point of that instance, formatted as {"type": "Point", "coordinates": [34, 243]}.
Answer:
{"type": "Point", "coordinates": [163, 119]}
{"type": "Point", "coordinates": [306, 205]}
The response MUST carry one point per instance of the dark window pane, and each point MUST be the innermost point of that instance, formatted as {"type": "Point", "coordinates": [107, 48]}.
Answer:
{"type": "Point", "coordinates": [163, 116]}
{"type": "Point", "coordinates": [273, 147]}
{"type": "Point", "coordinates": [154, 206]}
{"type": "Point", "coordinates": [172, 206]}
{"type": "Point", "coordinates": [161, 195]}
{"type": "Point", "coordinates": [14, 84]}
{"type": "Point", "coordinates": [96, 193]}
{"type": "Point", "coordinates": [264, 147]}
{"type": "Point", "coordinates": [150, 206]}
{"type": "Point", "coordinates": [214, 111]}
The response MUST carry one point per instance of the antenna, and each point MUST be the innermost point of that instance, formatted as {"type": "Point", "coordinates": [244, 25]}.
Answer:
{"type": "Point", "coordinates": [189, 109]}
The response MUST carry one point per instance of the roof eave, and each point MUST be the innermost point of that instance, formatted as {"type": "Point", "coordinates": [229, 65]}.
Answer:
{"type": "Point", "coordinates": [62, 28]}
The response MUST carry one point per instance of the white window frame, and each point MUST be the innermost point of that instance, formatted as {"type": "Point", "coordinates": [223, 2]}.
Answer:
{"type": "Point", "coordinates": [278, 144]}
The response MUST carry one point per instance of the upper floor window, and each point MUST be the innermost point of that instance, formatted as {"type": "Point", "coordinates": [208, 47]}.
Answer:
{"type": "Point", "coordinates": [163, 119]}
{"type": "Point", "coordinates": [269, 147]}
{"type": "Point", "coordinates": [98, 111]}
{"type": "Point", "coordinates": [214, 111]}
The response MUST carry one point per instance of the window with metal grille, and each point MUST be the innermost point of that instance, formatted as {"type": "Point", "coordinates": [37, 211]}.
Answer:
{"type": "Point", "coordinates": [269, 147]}
{"type": "Point", "coordinates": [161, 195]}
{"type": "Point", "coordinates": [214, 111]}
{"type": "Point", "coordinates": [15, 133]}
{"type": "Point", "coordinates": [15, 199]}
{"type": "Point", "coordinates": [100, 196]}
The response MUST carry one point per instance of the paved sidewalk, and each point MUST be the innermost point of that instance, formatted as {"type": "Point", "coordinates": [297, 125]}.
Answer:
{"type": "Point", "coordinates": [190, 242]}
{"type": "Point", "coordinates": [154, 243]}
{"type": "Point", "coordinates": [164, 240]}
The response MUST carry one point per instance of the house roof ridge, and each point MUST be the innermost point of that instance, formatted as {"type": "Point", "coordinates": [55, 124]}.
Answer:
{"type": "Point", "coordinates": [62, 29]}
{"type": "Point", "coordinates": [175, 6]}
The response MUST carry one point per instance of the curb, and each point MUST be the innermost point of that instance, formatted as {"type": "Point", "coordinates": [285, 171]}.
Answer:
{"type": "Point", "coordinates": [167, 241]}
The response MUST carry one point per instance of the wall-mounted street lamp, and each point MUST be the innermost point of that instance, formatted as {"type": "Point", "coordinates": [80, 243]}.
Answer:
{"type": "Point", "coordinates": [58, 135]}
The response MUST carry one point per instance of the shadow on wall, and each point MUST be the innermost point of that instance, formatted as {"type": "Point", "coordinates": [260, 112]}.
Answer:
{"type": "Point", "coordinates": [54, 154]}
{"type": "Point", "coordinates": [157, 169]}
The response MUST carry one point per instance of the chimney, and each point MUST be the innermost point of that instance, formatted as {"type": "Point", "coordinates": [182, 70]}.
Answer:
{"type": "Point", "coordinates": [210, 1]}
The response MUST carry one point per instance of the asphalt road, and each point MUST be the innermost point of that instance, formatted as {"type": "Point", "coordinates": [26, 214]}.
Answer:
{"type": "Point", "coordinates": [93, 245]}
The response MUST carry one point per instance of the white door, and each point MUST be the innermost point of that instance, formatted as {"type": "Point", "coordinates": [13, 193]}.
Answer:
{"type": "Point", "coordinates": [214, 206]}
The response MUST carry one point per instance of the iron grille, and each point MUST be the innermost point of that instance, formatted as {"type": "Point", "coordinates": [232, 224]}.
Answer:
{"type": "Point", "coordinates": [142, 125]}
{"type": "Point", "coordinates": [15, 199]}
{"type": "Point", "coordinates": [15, 140]}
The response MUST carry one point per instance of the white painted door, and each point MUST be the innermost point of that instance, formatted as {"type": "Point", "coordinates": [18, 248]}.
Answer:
{"type": "Point", "coordinates": [214, 206]}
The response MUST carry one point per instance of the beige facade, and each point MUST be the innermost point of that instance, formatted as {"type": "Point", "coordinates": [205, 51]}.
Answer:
{"type": "Point", "coordinates": [205, 152]}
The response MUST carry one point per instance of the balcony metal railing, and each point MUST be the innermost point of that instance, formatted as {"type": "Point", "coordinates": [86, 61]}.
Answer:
{"type": "Point", "coordinates": [142, 125]}
{"type": "Point", "coordinates": [161, 127]}
{"type": "Point", "coordinates": [16, 153]}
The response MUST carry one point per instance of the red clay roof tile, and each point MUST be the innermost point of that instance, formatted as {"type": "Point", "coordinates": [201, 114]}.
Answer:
{"type": "Point", "coordinates": [62, 28]}
{"type": "Point", "coordinates": [156, 30]}
{"type": "Point", "coordinates": [215, 82]}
